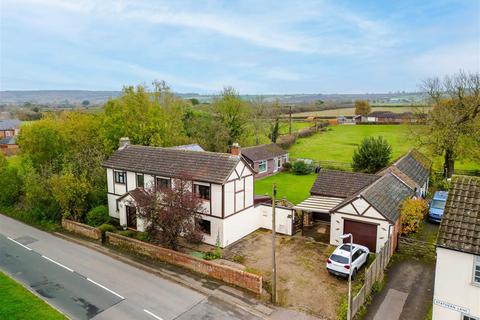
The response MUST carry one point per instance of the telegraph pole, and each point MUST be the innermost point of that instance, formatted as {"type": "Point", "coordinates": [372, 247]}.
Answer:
{"type": "Point", "coordinates": [290, 121]}
{"type": "Point", "coordinates": [274, 264]}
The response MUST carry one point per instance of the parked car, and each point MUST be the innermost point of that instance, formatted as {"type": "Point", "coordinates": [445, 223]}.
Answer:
{"type": "Point", "coordinates": [337, 263]}
{"type": "Point", "coordinates": [437, 206]}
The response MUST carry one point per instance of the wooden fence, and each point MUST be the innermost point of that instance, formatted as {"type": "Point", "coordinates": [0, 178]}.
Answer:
{"type": "Point", "coordinates": [373, 273]}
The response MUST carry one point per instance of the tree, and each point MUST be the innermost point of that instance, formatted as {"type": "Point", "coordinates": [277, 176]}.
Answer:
{"type": "Point", "coordinates": [232, 112]}
{"type": "Point", "coordinates": [411, 214]}
{"type": "Point", "coordinates": [194, 101]}
{"type": "Point", "coordinates": [71, 194]}
{"type": "Point", "coordinates": [452, 127]}
{"type": "Point", "coordinates": [372, 155]}
{"type": "Point", "coordinates": [203, 128]}
{"type": "Point", "coordinates": [85, 103]}
{"type": "Point", "coordinates": [362, 107]}
{"type": "Point", "coordinates": [171, 213]}
{"type": "Point", "coordinates": [10, 182]}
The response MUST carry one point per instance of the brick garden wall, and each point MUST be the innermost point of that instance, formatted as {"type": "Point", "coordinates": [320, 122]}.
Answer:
{"type": "Point", "coordinates": [82, 229]}
{"type": "Point", "coordinates": [249, 281]}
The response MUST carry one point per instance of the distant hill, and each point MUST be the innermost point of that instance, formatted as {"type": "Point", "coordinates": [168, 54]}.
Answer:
{"type": "Point", "coordinates": [76, 97]}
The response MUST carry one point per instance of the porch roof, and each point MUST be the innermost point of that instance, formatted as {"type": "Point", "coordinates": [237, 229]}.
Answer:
{"type": "Point", "coordinates": [319, 204]}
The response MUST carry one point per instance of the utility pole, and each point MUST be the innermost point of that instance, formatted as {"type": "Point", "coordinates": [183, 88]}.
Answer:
{"type": "Point", "coordinates": [290, 121]}
{"type": "Point", "coordinates": [274, 264]}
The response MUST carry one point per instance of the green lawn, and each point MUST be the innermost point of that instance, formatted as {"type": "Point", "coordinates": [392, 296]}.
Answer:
{"type": "Point", "coordinates": [16, 302]}
{"type": "Point", "coordinates": [294, 188]}
{"type": "Point", "coordinates": [339, 142]}
{"type": "Point", "coordinates": [296, 126]}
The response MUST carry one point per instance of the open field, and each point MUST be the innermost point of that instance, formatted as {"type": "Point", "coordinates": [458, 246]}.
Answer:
{"type": "Point", "coordinates": [339, 142]}
{"type": "Point", "coordinates": [296, 126]}
{"type": "Point", "coordinates": [19, 303]}
{"type": "Point", "coordinates": [351, 111]}
{"type": "Point", "coordinates": [294, 188]}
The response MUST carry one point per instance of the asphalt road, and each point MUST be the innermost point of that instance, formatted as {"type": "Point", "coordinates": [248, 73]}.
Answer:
{"type": "Point", "coordinates": [85, 284]}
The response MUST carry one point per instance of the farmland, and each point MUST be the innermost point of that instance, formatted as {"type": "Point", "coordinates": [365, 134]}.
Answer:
{"type": "Point", "coordinates": [351, 111]}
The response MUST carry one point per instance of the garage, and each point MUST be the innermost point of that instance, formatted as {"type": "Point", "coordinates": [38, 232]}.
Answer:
{"type": "Point", "coordinates": [363, 233]}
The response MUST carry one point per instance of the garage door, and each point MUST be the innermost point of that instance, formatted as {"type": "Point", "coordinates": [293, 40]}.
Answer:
{"type": "Point", "coordinates": [363, 233]}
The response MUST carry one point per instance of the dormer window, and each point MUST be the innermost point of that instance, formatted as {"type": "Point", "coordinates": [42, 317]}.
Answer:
{"type": "Point", "coordinates": [120, 177]}
{"type": "Point", "coordinates": [201, 191]}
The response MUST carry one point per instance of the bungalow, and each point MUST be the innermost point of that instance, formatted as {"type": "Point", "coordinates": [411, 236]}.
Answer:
{"type": "Point", "coordinates": [456, 293]}
{"type": "Point", "coordinates": [224, 182]}
{"type": "Point", "coordinates": [265, 159]}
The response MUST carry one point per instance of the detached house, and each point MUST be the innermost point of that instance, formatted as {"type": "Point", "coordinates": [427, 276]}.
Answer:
{"type": "Point", "coordinates": [265, 159]}
{"type": "Point", "coordinates": [223, 181]}
{"type": "Point", "coordinates": [9, 129]}
{"type": "Point", "coordinates": [456, 293]}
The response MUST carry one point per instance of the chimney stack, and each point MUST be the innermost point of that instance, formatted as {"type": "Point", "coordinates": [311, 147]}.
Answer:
{"type": "Point", "coordinates": [235, 149]}
{"type": "Point", "coordinates": [124, 142]}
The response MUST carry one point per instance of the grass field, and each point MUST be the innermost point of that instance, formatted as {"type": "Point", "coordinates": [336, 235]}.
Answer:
{"type": "Point", "coordinates": [294, 188]}
{"type": "Point", "coordinates": [351, 111]}
{"type": "Point", "coordinates": [296, 126]}
{"type": "Point", "coordinates": [16, 302]}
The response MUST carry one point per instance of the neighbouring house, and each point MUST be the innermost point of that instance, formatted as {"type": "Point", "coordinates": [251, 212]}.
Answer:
{"type": "Point", "coordinates": [225, 182]}
{"type": "Point", "coordinates": [9, 146]}
{"type": "Point", "coordinates": [9, 130]}
{"type": "Point", "coordinates": [190, 147]}
{"type": "Point", "coordinates": [366, 205]}
{"type": "Point", "coordinates": [265, 159]}
{"type": "Point", "coordinates": [345, 120]}
{"type": "Point", "coordinates": [456, 294]}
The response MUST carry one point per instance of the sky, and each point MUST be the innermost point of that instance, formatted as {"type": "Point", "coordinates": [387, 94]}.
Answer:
{"type": "Point", "coordinates": [258, 47]}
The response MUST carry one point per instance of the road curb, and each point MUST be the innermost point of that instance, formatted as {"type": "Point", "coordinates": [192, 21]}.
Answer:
{"type": "Point", "coordinates": [267, 310]}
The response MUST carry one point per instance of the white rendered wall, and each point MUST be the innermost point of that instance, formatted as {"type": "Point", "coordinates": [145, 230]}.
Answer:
{"type": "Point", "coordinates": [229, 201]}
{"type": "Point", "coordinates": [112, 205]}
{"type": "Point", "coordinates": [239, 225]}
{"type": "Point", "coordinates": [110, 180]}
{"type": "Point", "coordinates": [454, 286]}
{"type": "Point", "coordinates": [216, 230]}
{"type": "Point", "coordinates": [283, 218]}
{"type": "Point", "coordinates": [216, 198]}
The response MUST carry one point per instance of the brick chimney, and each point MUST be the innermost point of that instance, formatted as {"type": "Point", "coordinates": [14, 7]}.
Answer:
{"type": "Point", "coordinates": [124, 142]}
{"type": "Point", "coordinates": [235, 149]}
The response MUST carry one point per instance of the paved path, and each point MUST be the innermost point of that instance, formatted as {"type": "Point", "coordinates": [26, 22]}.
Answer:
{"type": "Point", "coordinates": [407, 295]}
{"type": "Point", "coordinates": [99, 287]}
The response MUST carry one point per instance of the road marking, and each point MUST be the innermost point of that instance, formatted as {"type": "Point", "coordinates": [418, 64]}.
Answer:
{"type": "Point", "coordinates": [19, 244]}
{"type": "Point", "coordinates": [111, 291]}
{"type": "Point", "coordinates": [57, 263]}
{"type": "Point", "coordinates": [152, 314]}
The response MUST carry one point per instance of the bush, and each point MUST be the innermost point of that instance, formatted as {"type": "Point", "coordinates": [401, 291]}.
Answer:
{"type": "Point", "coordinates": [300, 167]}
{"type": "Point", "coordinates": [98, 216]}
{"type": "Point", "coordinates": [212, 255]}
{"type": "Point", "coordinates": [411, 214]}
{"type": "Point", "coordinates": [372, 155]}
{"type": "Point", "coordinates": [287, 166]}
{"type": "Point", "coordinates": [10, 185]}
{"type": "Point", "coordinates": [107, 227]}
{"type": "Point", "coordinates": [286, 141]}
{"type": "Point", "coordinates": [127, 233]}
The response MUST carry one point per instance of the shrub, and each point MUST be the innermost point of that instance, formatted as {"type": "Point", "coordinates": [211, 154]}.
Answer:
{"type": "Point", "coordinates": [127, 233]}
{"type": "Point", "coordinates": [98, 216]}
{"type": "Point", "coordinates": [412, 212]}
{"type": "Point", "coordinates": [10, 185]}
{"type": "Point", "coordinates": [300, 167]}
{"type": "Point", "coordinates": [142, 236]}
{"type": "Point", "coordinates": [286, 141]}
{"type": "Point", "coordinates": [372, 155]}
{"type": "Point", "coordinates": [212, 255]}
{"type": "Point", "coordinates": [107, 227]}
{"type": "Point", "coordinates": [287, 166]}
{"type": "Point", "coordinates": [239, 258]}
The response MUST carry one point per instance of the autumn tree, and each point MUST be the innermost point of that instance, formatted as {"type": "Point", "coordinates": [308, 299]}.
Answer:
{"type": "Point", "coordinates": [372, 154]}
{"type": "Point", "coordinates": [452, 127]}
{"type": "Point", "coordinates": [362, 107]}
{"type": "Point", "coordinates": [229, 109]}
{"type": "Point", "coordinates": [411, 214]}
{"type": "Point", "coordinates": [171, 213]}
{"type": "Point", "coordinates": [71, 194]}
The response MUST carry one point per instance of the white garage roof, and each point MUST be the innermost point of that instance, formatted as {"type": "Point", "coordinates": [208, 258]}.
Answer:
{"type": "Point", "coordinates": [318, 204]}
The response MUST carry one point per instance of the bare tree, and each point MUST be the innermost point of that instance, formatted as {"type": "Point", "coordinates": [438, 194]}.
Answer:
{"type": "Point", "coordinates": [453, 124]}
{"type": "Point", "coordinates": [171, 212]}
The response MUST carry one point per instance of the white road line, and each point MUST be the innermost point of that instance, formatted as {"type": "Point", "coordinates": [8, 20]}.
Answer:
{"type": "Point", "coordinates": [153, 315]}
{"type": "Point", "coordinates": [57, 263]}
{"type": "Point", "coordinates": [19, 244]}
{"type": "Point", "coordinates": [111, 291]}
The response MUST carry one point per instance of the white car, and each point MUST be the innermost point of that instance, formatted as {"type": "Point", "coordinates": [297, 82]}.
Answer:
{"type": "Point", "coordinates": [338, 265]}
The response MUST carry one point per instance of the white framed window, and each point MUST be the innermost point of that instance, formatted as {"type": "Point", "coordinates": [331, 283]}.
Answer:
{"type": "Point", "coordinates": [476, 270]}
{"type": "Point", "coordinates": [262, 166]}
{"type": "Point", "coordinates": [468, 317]}
{"type": "Point", "coordinates": [203, 192]}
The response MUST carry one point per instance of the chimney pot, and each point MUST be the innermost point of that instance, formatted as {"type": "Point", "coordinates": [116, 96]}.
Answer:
{"type": "Point", "coordinates": [124, 142]}
{"type": "Point", "coordinates": [235, 149]}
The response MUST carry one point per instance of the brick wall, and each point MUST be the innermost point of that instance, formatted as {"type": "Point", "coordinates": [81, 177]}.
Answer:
{"type": "Point", "coordinates": [82, 229]}
{"type": "Point", "coordinates": [249, 281]}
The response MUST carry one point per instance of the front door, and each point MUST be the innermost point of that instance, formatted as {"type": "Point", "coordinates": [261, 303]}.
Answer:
{"type": "Point", "coordinates": [131, 217]}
